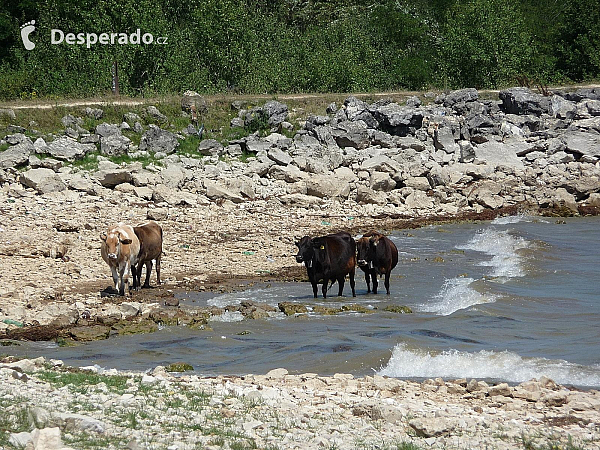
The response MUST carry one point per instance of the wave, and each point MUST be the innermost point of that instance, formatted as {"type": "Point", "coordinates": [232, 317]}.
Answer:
{"type": "Point", "coordinates": [504, 249]}
{"type": "Point", "coordinates": [507, 220]}
{"type": "Point", "coordinates": [456, 294]}
{"type": "Point", "coordinates": [505, 366]}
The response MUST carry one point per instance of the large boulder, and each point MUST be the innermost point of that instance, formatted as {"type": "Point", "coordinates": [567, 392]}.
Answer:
{"type": "Point", "coordinates": [210, 147]}
{"type": "Point", "coordinates": [398, 120]}
{"type": "Point", "coordinates": [17, 155]}
{"type": "Point", "coordinates": [562, 108]}
{"type": "Point", "coordinates": [496, 153]}
{"type": "Point", "coordinates": [520, 100]}
{"type": "Point", "coordinates": [582, 143]}
{"type": "Point", "coordinates": [67, 149]}
{"type": "Point", "coordinates": [216, 191]}
{"type": "Point", "coordinates": [279, 156]}
{"type": "Point", "coordinates": [381, 181]}
{"type": "Point", "coordinates": [460, 96]}
{"type": "Point", "coordinates": [351, 134]}
{"type": "Point", "coordinates": [42, 180]}
{"type": "Point", "coordinates": [114, 145]}
{"type": "Point", "coordinates": [191, 98]}
{"type": "Point", "coordinates": [152, 113]}
{"type": "Point", "coordinates": [107, 129]}
{"type": "Point", "coordinates": [276, 112]}
{"type": "Point", "coordinates": [158, 140]}
{"type": "Point", "coordinates": [327, 185]}
{"type": "Point", "coordinates": [111, 177]}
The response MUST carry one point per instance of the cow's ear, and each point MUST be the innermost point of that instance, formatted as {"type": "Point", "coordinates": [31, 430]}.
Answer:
{"type": "Point", "coordinates": [103, 237]}
{"type": "Point", "coordinates": [126, 241]}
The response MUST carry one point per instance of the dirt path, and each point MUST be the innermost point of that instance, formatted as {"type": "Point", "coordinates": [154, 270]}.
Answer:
{"type": "Point", "coordinates": [127, 101]}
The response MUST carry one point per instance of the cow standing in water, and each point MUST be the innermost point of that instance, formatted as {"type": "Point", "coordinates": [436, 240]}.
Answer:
{"type": "Point", "coordinates": [377, 255]}
{"type": "Point", "coordinates": [120, 248]}
{"type": "Point", "coordinates": [150, 236]}
{"type": "Point", "coordinates": [326, 258]}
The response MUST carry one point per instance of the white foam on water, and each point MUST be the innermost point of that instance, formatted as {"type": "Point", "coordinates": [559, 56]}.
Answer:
{"type": "Point", "coordinates": [503, 248]}
{"type": "Point", "coordinates": [505, 366]}
{"type": "Point", "coordinates": [507, 220]}
{"type": "Point", "coordinates": [456, 294]}
{"type": "Point", "coordinates": [236, 298]}
{"type": "Point", "coordinates": [228, 316]}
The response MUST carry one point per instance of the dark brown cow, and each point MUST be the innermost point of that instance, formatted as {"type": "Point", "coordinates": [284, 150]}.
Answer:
{"type": "Point", "coordinates": [150, 236]}
{"type": "Point", "coordinates": [326, 258]}
{"type": "Point", "coordinates": [377, 255]}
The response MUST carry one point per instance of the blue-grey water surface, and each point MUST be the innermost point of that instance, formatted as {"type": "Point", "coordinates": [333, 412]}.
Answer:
{"type": "Point", "coordinates": [512, 299]}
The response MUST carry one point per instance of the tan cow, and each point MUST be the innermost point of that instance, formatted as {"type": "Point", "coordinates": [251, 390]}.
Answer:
{"type": "Point", "coordinates": [150, 236]}
{"type": "Point", "coordinates": [120, 249]}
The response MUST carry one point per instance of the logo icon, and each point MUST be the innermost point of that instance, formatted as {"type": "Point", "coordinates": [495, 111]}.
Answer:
{"type": "Point", "coordinates": [26, 30]}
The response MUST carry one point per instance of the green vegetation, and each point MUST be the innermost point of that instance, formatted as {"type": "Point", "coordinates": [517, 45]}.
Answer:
{"type": "Point", "coordinates": [259, 46]}
{"type": "Point", "coordinates": [81, 381]}
{"type": "Point", "coordinates": [14, 418]}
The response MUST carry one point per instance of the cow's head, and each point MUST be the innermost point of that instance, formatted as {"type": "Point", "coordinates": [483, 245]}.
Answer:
{"type": "Point", "coordinates": [319, 246]}
{"type": "Point", "coordinates": [305, 250]}
{"type": "Point", "coordinates": [367, 247]}
{"type": "Point", "coordinates": [113, 240]}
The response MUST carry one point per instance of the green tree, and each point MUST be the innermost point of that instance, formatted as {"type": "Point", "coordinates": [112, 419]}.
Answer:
{"type": "Point", "coordinates": [484, 43]}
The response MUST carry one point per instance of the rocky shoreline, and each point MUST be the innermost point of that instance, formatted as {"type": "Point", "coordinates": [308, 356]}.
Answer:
{"type": "Point", "coordinates": [231, 214]}
{"type": "Point", "coordinates": [362, 166]}
{"type": "Point", "coordinates": [48, 406]}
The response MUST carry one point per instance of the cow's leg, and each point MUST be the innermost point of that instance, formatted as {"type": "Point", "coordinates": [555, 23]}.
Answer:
{"type": "Point", "coordinates": [136, 277]}
{"type": "Point", "coordinates": [352, 283]}
{"type": "Point", "coordinates": [368, 280]}
{"type": "Point", "coordinates": [148, 272]}
{"type": "Point", "coordinates": [115, 277]}
{"type": "Point", "coordinates": [315, 288]}
{"type": "Point", "coordinates": [325, 281]}
{"type": "Point", "coordinates": [341, 280]}
{"type": "Point", "coordinates": [375, 283]}
{"type": "Point", "coordinates": [122, 281]}
{"type": "Point", "coordinates": [125, 277]}
{"type": "Point", "coordinates": [158, 270]}
{"type": "Point", "coordinates": [387, 282]}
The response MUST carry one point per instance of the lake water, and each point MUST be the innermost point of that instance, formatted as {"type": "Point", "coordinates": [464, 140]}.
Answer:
{"type": "Point", "coordinates": [512, 299]}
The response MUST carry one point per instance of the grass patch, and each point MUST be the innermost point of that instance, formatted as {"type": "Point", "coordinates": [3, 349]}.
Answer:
{"type": "Point", "coordinates": [189, 147]}
{"type": "Point", "coordinates": [83, 440]}
{"type": "Point", "coordinates": [80, 381]}
{"type": "Point", "coordinates": [88, 163]}
{"type": "Point", "coordinates": [14, 418]}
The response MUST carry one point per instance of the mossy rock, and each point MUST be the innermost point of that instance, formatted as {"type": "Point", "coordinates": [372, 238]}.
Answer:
{"type": "Point", "coordinates": [357, 308]}
{"type": "Point", "coordinates": [326, 311]}
{"type": "Point", "coordinates": [438, 259]}
{"type": "Point", "coordinates": [257, 314]}
{"type": "Point", "coordinates": [179, 367]}
{"type": "Point", "coordinates": [93, 333]}
{"type": "Point", "coordinates": [398, 309]}
{"type": "Point", "coordinates": [289, 308]}
{"type": "Point", "coordinates": [127, 327]}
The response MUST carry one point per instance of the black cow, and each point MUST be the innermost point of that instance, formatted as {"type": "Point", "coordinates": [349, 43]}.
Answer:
{"type": "Point", "coordinates": [327, 258]}
{"type": "Point", "coordinates": [377, 255]}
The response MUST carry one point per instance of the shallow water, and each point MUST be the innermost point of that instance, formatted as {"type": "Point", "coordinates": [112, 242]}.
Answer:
{"type": "Point", "coordinates": [511, 299]}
